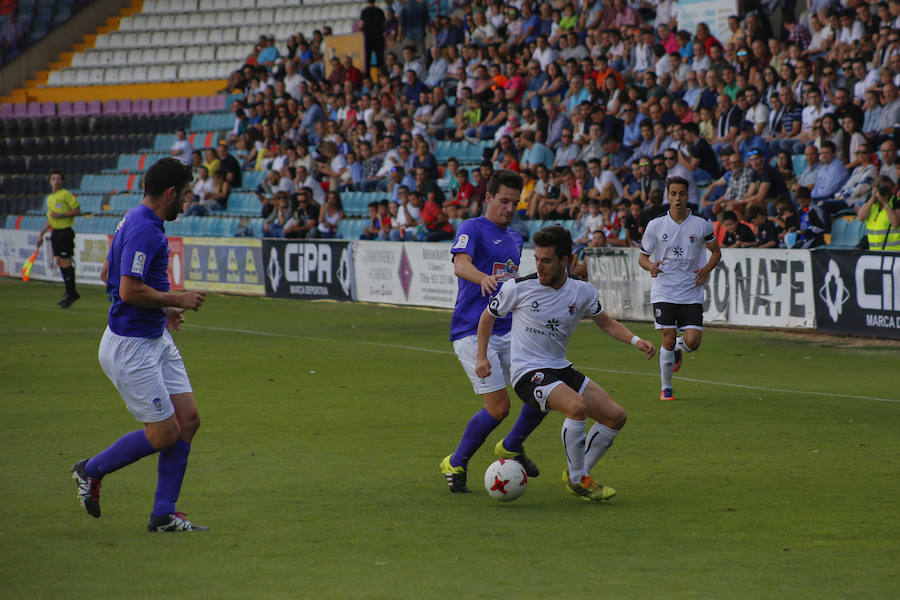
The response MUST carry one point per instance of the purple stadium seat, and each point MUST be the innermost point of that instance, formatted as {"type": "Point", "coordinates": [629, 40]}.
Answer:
{"type": "Point", "coordinates": [193, 104]}
{"type": "Point", "coordinates": [65, 109]}
{"type": "Point", "coordinates": [48, 109]}
{"type": "Point", "coordinates": [111, 107]}
{"type": "Point", "coordinates": [142, 106]}
{"type": "Point", "coordinates": [34, 110]}
{"type": "Point", "coordinates": [79, 109]}
{"type": "Point", "coordinates": [6, 110]}
{"type": "Point", "coordinates": [20, 110]}
{"type": "Point", "coordinates": [180, 105]}
{"type": "Point", "coordinates": [217, 102]}
{"type": "Point", "coordinates": [125, 107]}
{"type": "Point", "coordinates": [94, 108]}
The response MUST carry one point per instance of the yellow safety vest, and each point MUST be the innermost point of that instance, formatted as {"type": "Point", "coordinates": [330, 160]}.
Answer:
{"type": "Point", "coordinates": [878, 229]}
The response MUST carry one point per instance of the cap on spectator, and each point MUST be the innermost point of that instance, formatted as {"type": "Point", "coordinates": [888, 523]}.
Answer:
{"type": "Point", "coordinates": [747, 126]}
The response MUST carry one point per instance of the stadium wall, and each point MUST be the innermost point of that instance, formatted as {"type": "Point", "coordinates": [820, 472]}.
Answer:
{"type": "Point", "coordinates": [837, 291]}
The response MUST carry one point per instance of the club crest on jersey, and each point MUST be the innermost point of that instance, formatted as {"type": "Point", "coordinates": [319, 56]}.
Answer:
{"type": "Point", "coordinates": [535, 307]}
{"type": "Point", "coordinates": [537, 378]}
{"type": "Point", "coordinates": [572, 309]}
{"type": "Point", "coordinates": [158, 404]}
{"type": "Point", "coordinates": [692, 238]}
{"type": "Point", "coordinates": [504, 271]}
{"type": "Point", "coordinates": [462, 241]}
{"type": "Point", "coordinates": [658, 313]}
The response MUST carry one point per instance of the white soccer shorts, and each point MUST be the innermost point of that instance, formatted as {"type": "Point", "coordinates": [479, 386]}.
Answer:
{"type": "Point", "coordinates": [498, 353]}
{"type": "Point", "coordinates": [146, 371]}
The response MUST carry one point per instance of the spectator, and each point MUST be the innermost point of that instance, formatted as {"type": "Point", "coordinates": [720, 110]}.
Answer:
{"type": "Point", "coordinates": [330, 216]}
{"type": "Point", "coordinates": [181, 148]}
{"type": "Point", "coordinates": [858, 188]}
{"type": "Point", "coordinates": [811, 221]}
{"type": "Point", "coordinates": [737, 234]}
{"type": "Point", "coordinates": [766, 234]}
{"type": "Point", "coordinates": [832, 176]}
{"type": "Point", "coordinates": [302, 223]}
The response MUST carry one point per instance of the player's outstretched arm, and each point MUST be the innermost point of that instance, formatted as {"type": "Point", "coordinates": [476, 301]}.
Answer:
{"type": "Point", "coordinates": [618, 331]}
{"type": "Point", "coordinates": [133, 290]}
{"type": "Point", "coordinates": [463, 267]}
{"type": "Point", "coordinates": [485, 327]}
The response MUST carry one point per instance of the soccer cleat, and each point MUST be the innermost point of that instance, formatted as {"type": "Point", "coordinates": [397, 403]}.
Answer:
{"type": "Point", "coordinates": [174, 522]}
{"type": "Point", "coordinates": [666, 395]}
{"type": "Point", "coordinates": [68, 300]}
{"type": "Point", "coordinates": [88, 489]}
{"type": "Point", "coordinates": [677, 364]}
{"type": "Point", "coordinates": [531, 469]}
{"type": "Point", "coordinates": [588, 489]}
{"type": "Point", "coordinates": [456, 476]}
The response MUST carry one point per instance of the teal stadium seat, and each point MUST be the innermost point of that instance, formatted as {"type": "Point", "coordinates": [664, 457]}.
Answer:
{"type": "Point", "coordinates": [244, 204]}
{"type": "Point", "coordinates": [251, 179]}
{"type": "Point", "coordinates": [800, 164]}
{"type": "Point", "coordinates": [91, 203]}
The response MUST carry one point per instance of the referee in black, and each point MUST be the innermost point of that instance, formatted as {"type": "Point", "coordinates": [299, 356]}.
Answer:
{"type": "Point", "coordinates": [62, 208]}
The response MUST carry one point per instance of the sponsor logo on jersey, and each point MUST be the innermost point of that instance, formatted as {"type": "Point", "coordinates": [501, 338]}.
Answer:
{"type": "Point", "coordinates": [461, 242]}
{"type": "Point", "coordinates": [497, 242]}
{"type": "Point", "coordinates": [678, 251]}
{"type": "Point", "coordinates": [535, 307]}
{"type": "Point", "coordinates": [494, 306]}
{"type": "Point", "coordinates": [537, 378]}
{"type": "Point", "coordinates": [665, 237]}
{"type": "Point", "coordinates": [505, 270]}
{"type": "Point", "coordinates": [137, 265]}
{"type": "Point", "coordinates": [552, 324]}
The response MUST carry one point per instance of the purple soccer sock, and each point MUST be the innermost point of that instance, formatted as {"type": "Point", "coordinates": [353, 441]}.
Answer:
{"type": "Point", "coordinates": [127, 449]}
{"type": "Point", "coordinates": [480, 426]}
{"type": "Point", "coordinates": [172, 464]}
{"type": "Point", "coordinates": [528, 420]}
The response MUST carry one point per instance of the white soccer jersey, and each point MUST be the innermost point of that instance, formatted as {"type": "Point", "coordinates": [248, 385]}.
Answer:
{"type": "Point", "coordinates": [543, 320]}
{"type": "Point", "coordinates": [682, 248]}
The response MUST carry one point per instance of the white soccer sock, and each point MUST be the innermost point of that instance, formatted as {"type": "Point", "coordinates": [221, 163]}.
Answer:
{"type": "Point", "coordinates": [666, 364]}
{"type": "Point", "coordinates": [573, 440]}
{"type": "Point", "coordinates": [681, 345]}
{"type": "Point", "coordinates": [599, 439]}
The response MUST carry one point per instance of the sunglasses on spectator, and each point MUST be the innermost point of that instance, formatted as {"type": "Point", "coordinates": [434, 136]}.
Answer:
{"type": "Point", "coordinates": [753, 152]}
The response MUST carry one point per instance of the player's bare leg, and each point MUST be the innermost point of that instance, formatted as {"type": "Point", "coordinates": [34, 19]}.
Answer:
{"type": "Point", "coordinates": [575, 407]}
{"type": "Point", "coordinates": [174, 437]}
{"type": "Point", "coordinates": [667, 359]}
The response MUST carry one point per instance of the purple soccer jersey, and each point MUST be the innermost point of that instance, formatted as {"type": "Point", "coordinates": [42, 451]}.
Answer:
{"type": "Point", "coordinates": [494, 250]}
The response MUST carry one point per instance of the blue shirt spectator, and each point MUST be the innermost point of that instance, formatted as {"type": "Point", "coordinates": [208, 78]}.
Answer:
{"type": "Point", "coordinates": [832, 174]}
{"type": "Point", "coordinates": [538, 154]}
{"type": "Point", "coordinates": [632, 134]}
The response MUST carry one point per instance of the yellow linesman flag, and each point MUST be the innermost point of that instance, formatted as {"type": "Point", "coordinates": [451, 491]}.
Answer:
{"type": "Point", "coordinates": [26, 268]}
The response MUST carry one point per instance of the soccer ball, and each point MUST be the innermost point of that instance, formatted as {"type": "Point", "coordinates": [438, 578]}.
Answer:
{"type": "Point", "coordinates": [505, 480]}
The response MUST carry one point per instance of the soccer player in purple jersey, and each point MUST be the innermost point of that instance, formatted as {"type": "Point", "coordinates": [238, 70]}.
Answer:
{"type": "Point", "coordinates": [138, 354]}
{"type": "Point", "coordinates": [485, 254]}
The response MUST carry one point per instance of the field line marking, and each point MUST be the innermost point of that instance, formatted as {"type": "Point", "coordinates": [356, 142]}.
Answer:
{"type": "Point", "coordinates": [616, 371]}
{"type": "Point", "coordinates": [433, 351]}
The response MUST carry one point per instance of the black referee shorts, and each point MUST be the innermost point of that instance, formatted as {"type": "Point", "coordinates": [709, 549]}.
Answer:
{"type": "Point", "coordinates": [63, 242]}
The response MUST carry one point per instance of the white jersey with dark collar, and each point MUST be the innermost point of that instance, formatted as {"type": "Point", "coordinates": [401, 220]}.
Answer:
{"type": "Point", "coordinates": [543, 319]}
{"type": "Point", "coordinates": [682, 249]}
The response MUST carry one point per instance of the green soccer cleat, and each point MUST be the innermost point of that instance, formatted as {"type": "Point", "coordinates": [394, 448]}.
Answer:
{"type": "Point", "coordinates": [531, 469]}
{"type": "Point", "coordinates": [588, 489]}
{"type": "Point", "coordinates": [456, 476]}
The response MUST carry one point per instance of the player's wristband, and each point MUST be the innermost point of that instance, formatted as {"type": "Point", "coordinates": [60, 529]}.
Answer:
{"type": "Point", "coordinates": [635, 340]}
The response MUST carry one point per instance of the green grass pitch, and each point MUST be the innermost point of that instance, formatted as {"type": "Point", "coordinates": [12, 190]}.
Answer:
{"type": "Point", "coordinates": [776, 473]}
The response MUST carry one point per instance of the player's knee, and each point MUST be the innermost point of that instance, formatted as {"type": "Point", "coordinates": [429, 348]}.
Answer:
{"type": "Point", "coordinates": [498, 410]}
{"type": "Point", "coordinates": [692, 344]}
{"type": "Point", "coordinates": [578, 409]}
{"type": "Point", "coordinates": [619, 418]}
{"type": "Point", "coordinates": [163, 435]}
{"type": "Point", "coordinates": [190, 424]}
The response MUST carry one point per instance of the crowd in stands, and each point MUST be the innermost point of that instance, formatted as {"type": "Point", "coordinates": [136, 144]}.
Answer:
{"type": "Point", "coordinates": [779, 126]}
{"type": "Point", "coordinates": [25, 22]}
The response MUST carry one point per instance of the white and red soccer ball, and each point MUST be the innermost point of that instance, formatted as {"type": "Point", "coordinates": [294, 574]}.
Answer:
{"type": "Point", "coordinates": [505, 480]}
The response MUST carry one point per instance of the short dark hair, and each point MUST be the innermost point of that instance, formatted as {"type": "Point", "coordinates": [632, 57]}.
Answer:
{"type": "Point", "coordinates": [753, 211]}
{"type": "Point", "coordinates": [165, 173]}
{"type": "Point", "coordinates": [803, 192]}
{"type": "Point", "coordinates": [677, 181]}
{"type": "Point", "coordinates": [55, 172]}
{"type": "Point", "coordinates": [556, 237]}
{"type": "Point", "coordinates": [729, 216]}
{"type": "Point", "coordinates": [507, 178]}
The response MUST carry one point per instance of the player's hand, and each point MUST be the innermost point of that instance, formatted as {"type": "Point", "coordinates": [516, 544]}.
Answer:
{"type": "Point", "coordinates": [702, 274]}
{"type": "Point", "coordinates": [192, 299]}
{"type": "Point", "coordinates": [647, 348]}
{"type": "Point", "coordinates": [40, 240]}
{"type": "Point", "coordinates": [174, 318]}
{"type": "Point", "coordinates": [483, 367]}
{"type": "Point", "coordinates": [488, 285]}
{"type": "Point", "coordinates": [654, 268]}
